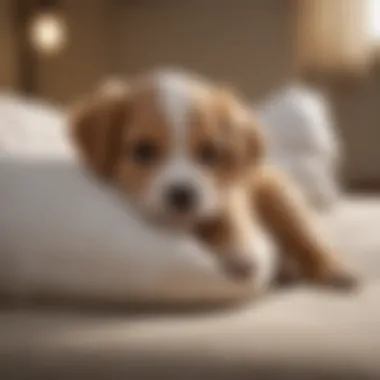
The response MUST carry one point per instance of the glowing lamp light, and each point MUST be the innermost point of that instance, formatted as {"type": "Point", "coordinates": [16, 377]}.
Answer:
{"type": "Point", "coordinates": [48, 33]}
{"type": "Point", "coordinates": [374, 20]}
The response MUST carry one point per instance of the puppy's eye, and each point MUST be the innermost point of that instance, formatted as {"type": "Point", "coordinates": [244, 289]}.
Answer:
{"type": "Point", "coordinates": [145, 152]}
{"type": "Point", "coordinates": [209, 155]}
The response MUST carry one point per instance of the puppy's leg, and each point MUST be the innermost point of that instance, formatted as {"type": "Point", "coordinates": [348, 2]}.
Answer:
{"type": "Point", "coordinates": [287, 217]}
{"type": "Point", "coordinates": [230, 236]}
{"type": "Point", "coordinates": [232, 252]}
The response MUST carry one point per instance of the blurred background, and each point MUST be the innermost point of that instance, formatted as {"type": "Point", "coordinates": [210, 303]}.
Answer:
{"type": "Point", "coordinates": [310, 69]}
{"type": "Point", "coordinates": [58, 50]}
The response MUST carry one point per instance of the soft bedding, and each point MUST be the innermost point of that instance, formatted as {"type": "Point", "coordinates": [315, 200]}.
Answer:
{"type": "Point", "coordinates": [65, 235]}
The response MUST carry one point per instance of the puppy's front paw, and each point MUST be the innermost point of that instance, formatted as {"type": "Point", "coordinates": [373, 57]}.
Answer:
{"type": "Point", "coordinates": [337, 277]}
{"type": "Point", "coordinates": [341, 280]}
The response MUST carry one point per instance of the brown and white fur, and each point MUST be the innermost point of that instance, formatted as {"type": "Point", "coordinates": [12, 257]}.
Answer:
{"type": "Point", "coordinates": [189, 154]}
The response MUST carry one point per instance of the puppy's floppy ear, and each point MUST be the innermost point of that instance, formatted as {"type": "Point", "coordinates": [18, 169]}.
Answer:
{"type": "Point", "coordinates": [246, 129]}
{"type": "Point", "coordinates": [97, 123]}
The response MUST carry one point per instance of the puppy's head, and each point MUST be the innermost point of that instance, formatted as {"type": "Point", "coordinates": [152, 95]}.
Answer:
{"type": "Point", "coordinates": [174, 143]}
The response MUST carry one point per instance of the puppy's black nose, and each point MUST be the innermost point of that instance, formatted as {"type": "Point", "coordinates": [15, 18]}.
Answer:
{"type": "Point", "coordinates": [181, 197]}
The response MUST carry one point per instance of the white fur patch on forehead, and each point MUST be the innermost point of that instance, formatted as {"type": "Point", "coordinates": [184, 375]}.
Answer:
{"type": "Point", "coordinates": [179, 94]}
{"type": "Point", "coordinates": [174, 92]}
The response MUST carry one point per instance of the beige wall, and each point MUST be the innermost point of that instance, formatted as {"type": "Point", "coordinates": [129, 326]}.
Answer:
{"type": "Point", "coordinates": [247, 44]}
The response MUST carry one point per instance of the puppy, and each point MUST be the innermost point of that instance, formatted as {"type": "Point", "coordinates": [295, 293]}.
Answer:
{"type": "Point", "coordinates": [189, 154]}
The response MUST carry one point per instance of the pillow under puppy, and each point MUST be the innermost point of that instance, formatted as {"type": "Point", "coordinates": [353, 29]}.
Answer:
{"type": "Point", "coordinates": [65, 235]}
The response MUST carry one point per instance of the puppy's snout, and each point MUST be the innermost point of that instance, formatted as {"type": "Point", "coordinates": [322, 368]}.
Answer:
{"type": "Point", "coordinates": [181, 197]}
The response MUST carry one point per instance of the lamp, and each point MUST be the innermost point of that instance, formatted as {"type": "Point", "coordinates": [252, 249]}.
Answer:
{"type": "Point", "coordinates": [374, 16]}
{"type": "Point", "coordinates": [47, 28]}
{"type": "Point", "coordinates": [40, 29]}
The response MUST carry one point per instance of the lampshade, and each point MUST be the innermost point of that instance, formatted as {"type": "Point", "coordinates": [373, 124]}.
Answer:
{"type": "Point", "coordinates": [48, 32]}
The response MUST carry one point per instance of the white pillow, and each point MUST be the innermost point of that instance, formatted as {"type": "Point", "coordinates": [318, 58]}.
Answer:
{"type": "Point", "coordinates": [65, 235]}
{"type": "Point", "coordinates": [302, 140]}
